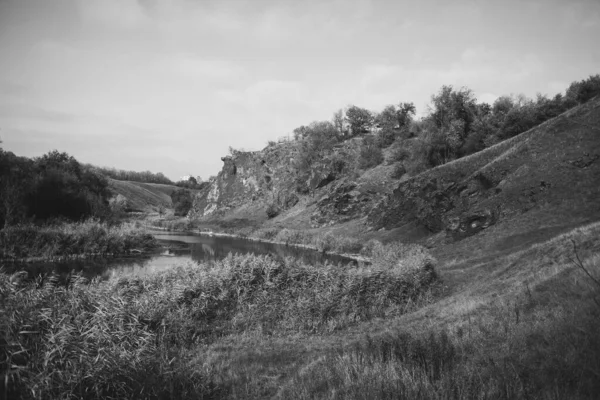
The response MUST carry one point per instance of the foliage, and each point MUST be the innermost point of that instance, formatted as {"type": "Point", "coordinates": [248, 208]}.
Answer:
{"type": "Point", "coordinates": [86, 341]}
{"type": "Point", "coordinates": [370, 153]}
{"type": "Point", "coordinates": [359, 120]}
{"type": "Point", "coordinates": [192, 184]}
{"type": "Point", "coordinates": [315, 143]}
{"type": "Point", "coordinates": [69, 239]}
{"type": "Point", "coordinates": [584, 90]}
{"type": "Point", "coordinates": [404, 114]}
{"type": "Point", "coordinates": [123, 175]}
{"type": "Point", "coordinates": [399, 152]}
{"type": "Point", "coordinates": [54, 185]}
{"type": "Point", "coordinates": [272, 210]}
{"type": "Point", "coordinates": [339, 123]}
{"type": "Point", "coordinates": [182, 201]}
{"type": "Point", "coordinates": [119, 206]}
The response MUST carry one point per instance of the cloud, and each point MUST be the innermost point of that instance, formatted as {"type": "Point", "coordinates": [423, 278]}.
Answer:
{"type": "Point", "coordinates": [126, 14]}
{"type": "Point", "coordinates": [196, 68]}
{"type": "Point", "coordinates": [28, 111]}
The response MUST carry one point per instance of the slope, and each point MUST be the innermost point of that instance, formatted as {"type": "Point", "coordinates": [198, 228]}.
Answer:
{"type": "Point", "coordinates": [143, 196]}
{"type": "Point", "coordinates": [545, 178]}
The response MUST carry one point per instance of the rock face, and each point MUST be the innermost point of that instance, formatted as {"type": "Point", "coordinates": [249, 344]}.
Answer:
{"type": "Point", "coordinates": [551, 166]}
{"type": "Point", "coordinates": [346, 200]}
{"type": "Point", "coordinates": [248, 177]}
{"type": "Point", "coordinates": [268, 177]}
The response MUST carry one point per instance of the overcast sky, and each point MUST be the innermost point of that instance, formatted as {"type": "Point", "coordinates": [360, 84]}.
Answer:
{"type": "Point", "coordinates": [169, 85]}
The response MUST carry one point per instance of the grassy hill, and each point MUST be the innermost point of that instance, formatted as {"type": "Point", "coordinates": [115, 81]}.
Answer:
{"type": "Point", "coordinates": [143, 196]}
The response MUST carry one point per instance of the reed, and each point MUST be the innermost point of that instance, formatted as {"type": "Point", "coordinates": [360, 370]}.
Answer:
{"type": "Point", "coordinates": [90, 237]}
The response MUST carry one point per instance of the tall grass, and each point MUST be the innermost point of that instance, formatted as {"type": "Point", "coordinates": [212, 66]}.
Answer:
{"type": "Point", "coordinates": [325, 242]}
{"type": "Point", "coordinates": [68, 239]}
{"type": "Point", "coordinates": [538, 342]}
{"type": "Point", "coordinates": [555, 359]}
{"type": "Point", "coordinates": [241, 293]}
{"type": "Point", "coordinates": [85, 341]}
{"type": "Point", "coordinates": [126, 337]}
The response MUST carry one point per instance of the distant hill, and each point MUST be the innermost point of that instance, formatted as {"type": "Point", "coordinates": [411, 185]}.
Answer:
{"type": "Point", "coordinates": [143, 196]}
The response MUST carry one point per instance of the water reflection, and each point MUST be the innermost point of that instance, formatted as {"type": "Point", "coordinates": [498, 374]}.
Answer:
{"type": "Point", "coordinates": [179, 248]}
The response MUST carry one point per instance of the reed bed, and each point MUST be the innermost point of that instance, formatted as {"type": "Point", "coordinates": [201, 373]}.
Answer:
{"type": "Point", "coordinates": [84, 341]}
{"type": "Point", "coordinates": [127, 337]}
{"type": "Point", "coordinates": [90, 237]}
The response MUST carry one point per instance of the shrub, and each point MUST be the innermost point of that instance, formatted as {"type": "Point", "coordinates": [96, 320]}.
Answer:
{"type": "Point", "coordinates": [182, 201]}
{"type": "Point", "coordinates": [399, 153]}
{"type": "Point", "coordinates": [370, 154]}
{"type": "Point", "coordinates": [290, 236]}
{"type": "Point", "coordinates": [369, 247]}
{"type": "Point", "coordinates": [272, 210]}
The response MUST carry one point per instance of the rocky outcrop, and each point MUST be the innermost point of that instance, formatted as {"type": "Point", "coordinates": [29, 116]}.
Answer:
{"type": "Point", "coordinates": [346, 200]}
{"type": "Point", "coordinates": [268, 176]}
{"type": "Point", "coordinates": [248, 177]}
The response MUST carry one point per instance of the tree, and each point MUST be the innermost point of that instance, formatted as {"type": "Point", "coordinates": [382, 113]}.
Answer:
{"type": "Point", "coordinates": [387, 121]}
{"type": "Point", "coordinates": [404, 114]}
{"type": "Point", "coordinates": [15, 183]}
{"type": "Point", "coordinates": [300, 132]}
{"type": "Point", "coordinates": [452, 113]}
{"type": "Point", "coordinates": [182, 201]}
{"type": "Point", "coordinates": [584, 90]}
{"type": "Point", "coordinates": [339, 123]}
{"type": "Point", "coordinates": [359, 119]}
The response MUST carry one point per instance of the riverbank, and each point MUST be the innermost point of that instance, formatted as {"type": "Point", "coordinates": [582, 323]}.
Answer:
{"type": "Point", "coordinates": [67, 241]}
{"type": "Point", "coordinates": [324, 242]}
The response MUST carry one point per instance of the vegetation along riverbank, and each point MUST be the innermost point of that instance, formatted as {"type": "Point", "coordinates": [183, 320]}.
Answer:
{"type": "Point", "coordinates": [76, 239]}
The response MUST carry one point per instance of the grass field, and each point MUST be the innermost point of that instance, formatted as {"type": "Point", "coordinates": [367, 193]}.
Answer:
{"type": "Point", "coordinates": [144, 196]}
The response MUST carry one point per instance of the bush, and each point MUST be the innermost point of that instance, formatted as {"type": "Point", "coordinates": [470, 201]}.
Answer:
{"type": "Point", "coordinates": [399, 153]}
{"type": "Point", "coordinates": [290, 236]}
{"type": "Point", "coordinates": [272, 211]}
{"type": "Point", "coordinates": [325, 242]}
{"type": "Point", "coordinates": [182, 201]}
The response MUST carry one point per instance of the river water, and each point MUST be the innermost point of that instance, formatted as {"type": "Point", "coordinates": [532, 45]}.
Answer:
{"type": "Point", "coordinates": [179, 248]}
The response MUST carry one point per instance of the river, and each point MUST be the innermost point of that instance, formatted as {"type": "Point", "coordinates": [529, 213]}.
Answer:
{"type": "Point", "coordinates": [178, 248]}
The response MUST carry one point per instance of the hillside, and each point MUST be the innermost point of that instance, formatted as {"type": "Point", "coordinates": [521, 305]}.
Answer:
{"type": "Point", "coordinates": [143, 196]}
{"type": "Point", "coordinates": [536, 179]}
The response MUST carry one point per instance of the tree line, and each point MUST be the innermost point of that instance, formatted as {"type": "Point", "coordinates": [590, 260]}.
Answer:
{"type": "Point", "coordinates": [455, 125]}
{"type": "Point", "coordinates": [134, 176]}
{"type": "Point", "coordinates": [53, 186]}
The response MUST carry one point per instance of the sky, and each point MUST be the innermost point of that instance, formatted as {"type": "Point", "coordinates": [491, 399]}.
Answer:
{"type": "Point", "coordinates": [169, 85]}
